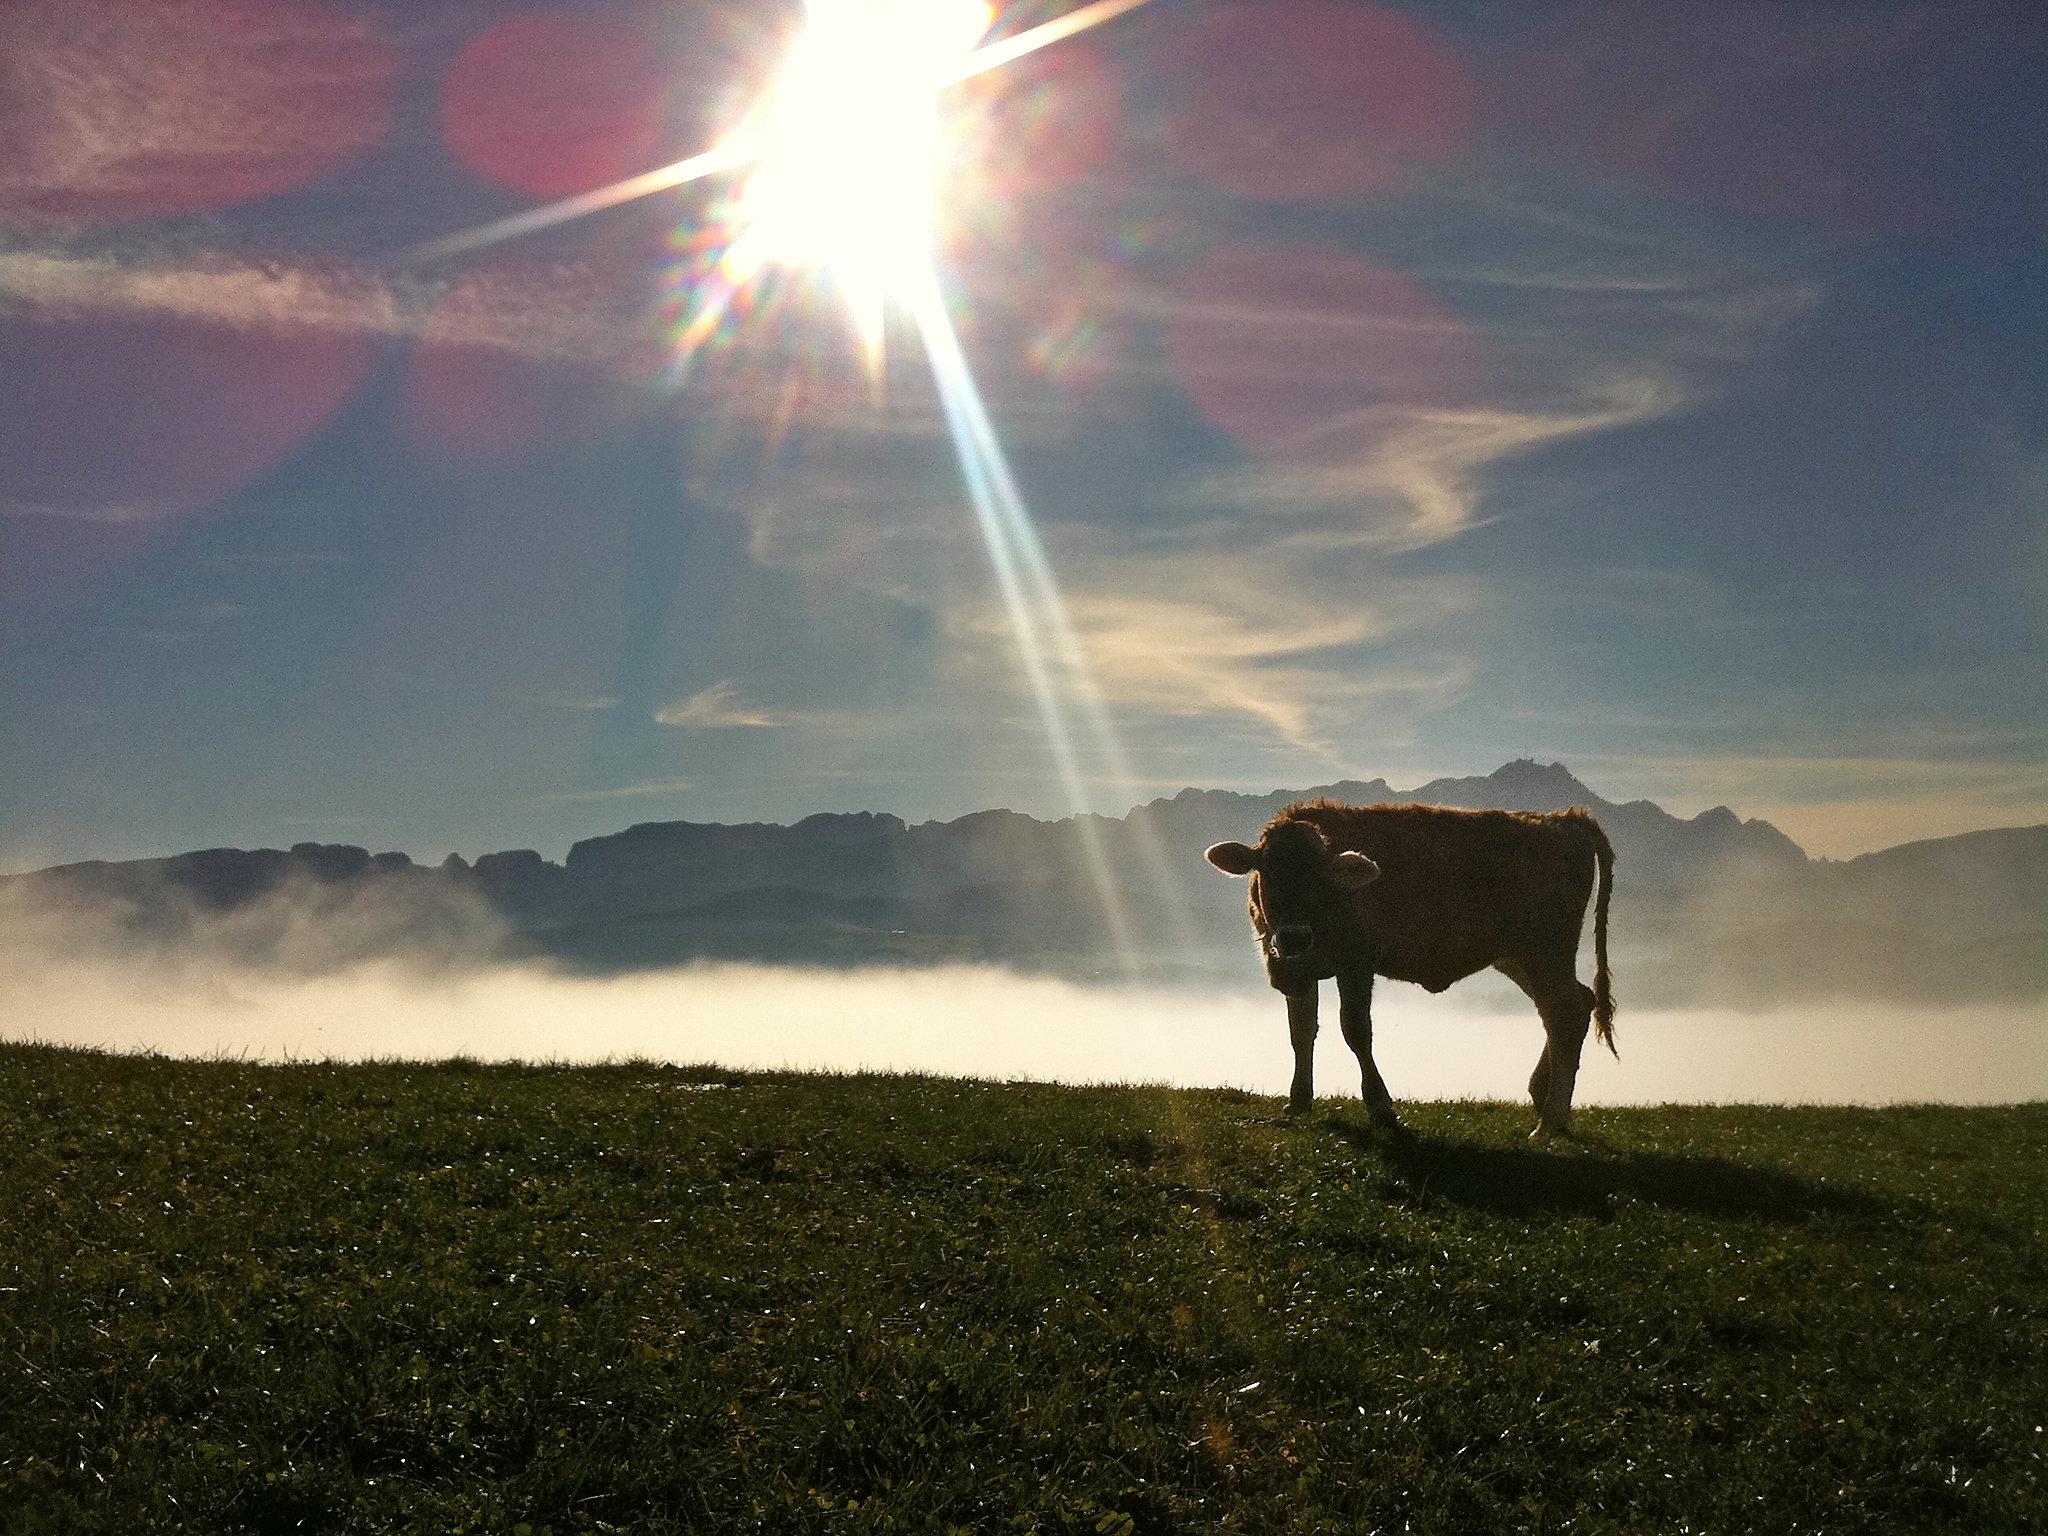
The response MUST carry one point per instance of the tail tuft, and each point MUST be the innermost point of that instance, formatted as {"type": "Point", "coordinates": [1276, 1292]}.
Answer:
{"type": "Point", "coordinates": [1603, 982]}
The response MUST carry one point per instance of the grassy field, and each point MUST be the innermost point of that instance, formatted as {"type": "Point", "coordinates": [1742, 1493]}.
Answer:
{"type": "Point", "coordinates": [634, 1298]}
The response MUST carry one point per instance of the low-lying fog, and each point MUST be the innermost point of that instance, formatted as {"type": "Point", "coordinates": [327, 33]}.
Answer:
{"type": "Point", "coordinates": [1478, 1042]}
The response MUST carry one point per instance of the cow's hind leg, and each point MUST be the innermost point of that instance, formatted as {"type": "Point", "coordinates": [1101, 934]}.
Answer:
{"type": "Point", "coordinates": [1567, 1015]}
{"type": "Point", "coordinates": [1301, 1034]}
{"type": "Point", "coordinates": [1566, 1007]}
{"type": "Point", "coordinates": [1354, 1012]}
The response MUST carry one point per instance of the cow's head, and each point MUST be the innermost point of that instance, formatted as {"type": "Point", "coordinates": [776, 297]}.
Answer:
{"type": "Point", "coordinates": [1301, 887]}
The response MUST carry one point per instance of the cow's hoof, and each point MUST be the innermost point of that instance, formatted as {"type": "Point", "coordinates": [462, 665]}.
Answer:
{"type": "Point", "coordinates": [1299, 1107]}
{"type": "Point", "coordinates": [1551, 1133]}
{"type": "Point", "coordinates": [1386, 1123]}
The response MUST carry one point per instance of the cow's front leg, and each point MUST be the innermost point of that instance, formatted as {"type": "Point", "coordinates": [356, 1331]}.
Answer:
{"type": "Point", "coordinates": [1301, 1031]}
{"type": "Point", "coordinates": [1354, 1012]}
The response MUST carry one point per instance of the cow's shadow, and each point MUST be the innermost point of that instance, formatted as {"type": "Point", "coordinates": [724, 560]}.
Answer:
{"type": "Point", "coordinates": [1594, 1178]}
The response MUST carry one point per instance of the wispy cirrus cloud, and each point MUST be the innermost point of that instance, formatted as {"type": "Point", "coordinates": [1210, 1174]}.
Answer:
{"type": "Point", "coordinates": [121, 109]}
{"type": "Point", "coordinates": [535, 310]}
{"type": "Point", "coordinates": [578, 703]}
{"type": "Point", "coordinates": [534, 695]}
{"type": "Point", "coordinates": [1394, 480]}
{"type": "Point", "coordinates": [1300, 677]}
{"type": "Point", "coordinates": [115, 515]}
{"type": "Point", "coordinates": [720, 708]}
{"type": "Point", "coordinates": [1375, 400]}
{"type": "Point", "coordinates": [648, 789]}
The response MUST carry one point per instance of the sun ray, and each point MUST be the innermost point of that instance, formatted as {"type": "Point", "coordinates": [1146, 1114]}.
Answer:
{"type": "Point", "coordinates": [1044, 35]}
{"type": "Point", "coordinates": [731, 155]}
{"type": "Point", "coordinates": [1058, 666]}
{"type": "Point", "coordinates": [991, 491]}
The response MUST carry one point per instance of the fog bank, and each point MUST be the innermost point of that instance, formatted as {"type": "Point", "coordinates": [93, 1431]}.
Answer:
{"type": "Point", "coordinates": [979, 1022]}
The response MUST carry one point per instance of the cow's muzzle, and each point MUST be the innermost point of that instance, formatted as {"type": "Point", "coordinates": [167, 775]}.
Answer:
{"type": "Point", "coordinates": [1292, 943]}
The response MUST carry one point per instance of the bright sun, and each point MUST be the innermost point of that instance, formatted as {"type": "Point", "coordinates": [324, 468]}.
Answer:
{"type": "Point", "coordinates": [851, 149]}
{"type": "Point", "coordinates": [840, 165]}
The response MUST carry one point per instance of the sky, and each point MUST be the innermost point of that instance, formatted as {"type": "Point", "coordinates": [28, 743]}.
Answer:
{"type": "Point", "coordinates": [1392, 391]}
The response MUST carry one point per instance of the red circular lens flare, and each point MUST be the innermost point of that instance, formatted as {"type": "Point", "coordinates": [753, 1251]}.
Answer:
{"type": "Point", "coordinates": [551, 105]}
{"type": "Point", "coordinates": [112, 429]}
{"type": "Point", "coordinates": [145, 417]}
{"type": "Point", "coordinates": [1278, 344]}
{"type": "Point", "coordinates": [1304, 99]}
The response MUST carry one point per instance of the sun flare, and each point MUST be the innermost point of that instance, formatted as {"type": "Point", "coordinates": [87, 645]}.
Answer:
{"type": "Point", "coordinates": [851, 149]}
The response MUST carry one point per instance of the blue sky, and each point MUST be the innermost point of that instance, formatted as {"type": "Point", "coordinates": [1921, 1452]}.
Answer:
{"type": "Point", "coordinates": [1396, 390]}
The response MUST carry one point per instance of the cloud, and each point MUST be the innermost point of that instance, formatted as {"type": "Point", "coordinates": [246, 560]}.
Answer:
{"type": "Point", "coordinates": [1376, 382]}
{"type": "Point", "coordinates": [140, 109]}
{"type": "Point", "coordinates": [578, 703]}
{"type": "Point", "coordinates": [569, 341]}
{"type": "Point", "coordinates": [1395, 480]}
{"type": "Point", "coordinates": [1299, 671]}
{"type": "Point", "coordinates": [541, 311]}
{"type": "Point", "coordinates": [112, 516]}
{"type": "Point", "coordinates": [649, 789]}
{"type": "Point", "coordinates": [220, 288]}
{"type": "Point", "coordinates": [567, 699]}
{"type": "Point", "coordinates": [1188, 659]}
{"type": "Point", "coordinates": [580, 312]}
{"type": "Point", "coordinates": [278, 557]}
{"type": "Point", "coordinates": [897, 531]}
{"type": "Point", "coordinates": [719, 708]}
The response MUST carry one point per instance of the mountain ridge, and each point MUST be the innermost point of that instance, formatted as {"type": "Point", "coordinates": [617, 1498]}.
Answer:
{"type": "Point", "coordinates": [1727, 905]}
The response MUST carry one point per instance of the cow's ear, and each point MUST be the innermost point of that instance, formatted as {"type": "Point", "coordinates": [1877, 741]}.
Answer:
{"type": "Point", "coordinates": [1353, 870]}
{"type": "Point", "coordinates": [1233, 858]}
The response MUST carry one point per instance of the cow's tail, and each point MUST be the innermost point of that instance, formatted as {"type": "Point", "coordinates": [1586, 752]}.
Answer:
{"type": "Point", "coordinates": [1603, 982]}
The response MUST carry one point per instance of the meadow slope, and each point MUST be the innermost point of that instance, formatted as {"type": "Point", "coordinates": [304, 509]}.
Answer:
{"type": "Point", "coordinates": [636, 1298]}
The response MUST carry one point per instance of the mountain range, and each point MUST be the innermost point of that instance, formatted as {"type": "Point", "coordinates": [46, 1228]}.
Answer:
{"type": "Point", "coordinates": [1710, 908]}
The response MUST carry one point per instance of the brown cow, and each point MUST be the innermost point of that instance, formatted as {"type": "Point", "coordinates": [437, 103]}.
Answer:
{"type": "Point", "coordinates": [1429, 895]}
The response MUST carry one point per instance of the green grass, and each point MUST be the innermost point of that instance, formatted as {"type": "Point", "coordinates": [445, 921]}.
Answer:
{"type": "Point", "coordinates": [484, 1298]}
